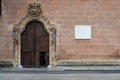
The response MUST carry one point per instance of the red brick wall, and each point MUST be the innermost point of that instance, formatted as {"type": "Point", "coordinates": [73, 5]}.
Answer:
{"type": "Point", "coordinates": [102, 15]}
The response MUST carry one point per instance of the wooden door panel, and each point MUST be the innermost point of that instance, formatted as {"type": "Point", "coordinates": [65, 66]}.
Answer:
{"type": "Point", "coordinates": [27, 58]}
{"type": "Point", "coordinates": [34, 39]}
{"type": "Point", "coordinates": [42, 38]}
{"type": "Point", "coordinates": [42, 42]}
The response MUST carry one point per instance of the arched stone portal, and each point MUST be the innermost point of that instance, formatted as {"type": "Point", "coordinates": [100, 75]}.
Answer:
{"type": "Point", "coordinates": [34, 13]}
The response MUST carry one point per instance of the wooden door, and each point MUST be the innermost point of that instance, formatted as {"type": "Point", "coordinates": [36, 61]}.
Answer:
{"type": "Point", "coordinates": [34, 41]}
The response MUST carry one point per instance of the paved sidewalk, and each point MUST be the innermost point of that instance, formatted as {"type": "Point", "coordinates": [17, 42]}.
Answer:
{"type": "Point", "coordinates": [64, 70]}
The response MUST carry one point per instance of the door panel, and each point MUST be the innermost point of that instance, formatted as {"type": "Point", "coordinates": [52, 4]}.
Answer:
{"type": "Point", "coordinates": [42, 42]}
{"type": "Point", "coordinates": [27, 58]}
{"type": "Point", "coordinates": [34, 39]}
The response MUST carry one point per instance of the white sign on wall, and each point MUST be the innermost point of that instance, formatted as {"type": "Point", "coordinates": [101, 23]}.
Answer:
{"type": "Point", "coordinates": [82, 31]}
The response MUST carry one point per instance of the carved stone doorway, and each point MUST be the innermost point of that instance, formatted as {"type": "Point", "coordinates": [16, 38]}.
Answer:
{"type": "Point", "coordinates": [34, 14]}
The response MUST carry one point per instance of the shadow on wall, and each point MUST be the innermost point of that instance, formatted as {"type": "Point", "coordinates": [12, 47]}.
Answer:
{"type": "Point", "coordinates": [6, 64]}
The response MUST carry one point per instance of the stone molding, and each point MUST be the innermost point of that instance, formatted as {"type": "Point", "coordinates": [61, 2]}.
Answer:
{"type": "Point", "coordinates": [34, 13]}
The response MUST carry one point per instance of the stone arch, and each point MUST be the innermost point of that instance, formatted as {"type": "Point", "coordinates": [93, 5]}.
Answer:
{"type": "Point", "coordinates": [34, 13]}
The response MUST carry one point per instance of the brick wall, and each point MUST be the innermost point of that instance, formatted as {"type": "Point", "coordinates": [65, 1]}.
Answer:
{"type": "Point", "coordinates": [102, 15]}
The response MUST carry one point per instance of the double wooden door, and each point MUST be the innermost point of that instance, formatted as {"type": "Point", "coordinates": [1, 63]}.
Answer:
{"type": "Point", "coordinates": [34, 45]}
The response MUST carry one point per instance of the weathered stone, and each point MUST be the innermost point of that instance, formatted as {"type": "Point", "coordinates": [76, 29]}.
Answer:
{"type": "Point", "coordinates": [6, 64]}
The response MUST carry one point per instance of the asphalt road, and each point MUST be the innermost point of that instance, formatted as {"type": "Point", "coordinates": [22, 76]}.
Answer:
{"type": "Point", "coordinates": [85, 76]}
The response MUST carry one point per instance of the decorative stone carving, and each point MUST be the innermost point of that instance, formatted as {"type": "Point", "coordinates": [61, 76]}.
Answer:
{"type": "Point", "coordinates": [34, 10]}
{"type": "Point", "coordinates": [34, 13]}
{"type": "Point", "coordinates": [53, 30]}
{"type": "Point", "coordinates": [16, 30]}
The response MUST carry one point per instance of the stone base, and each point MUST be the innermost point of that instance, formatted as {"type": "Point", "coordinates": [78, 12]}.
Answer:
{"type": "Point", "coordinates": [20, 66]}
{"type": "Point", "coordinates": [54, 68]}
{"type": "Point", "coordinates": [6, 64]}
{"type": "Point", "coordinates": [89, 63]}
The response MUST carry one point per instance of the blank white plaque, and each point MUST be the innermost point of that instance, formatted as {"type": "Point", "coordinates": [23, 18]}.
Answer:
{"type": "Point", "coordinates": [82, 31]}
